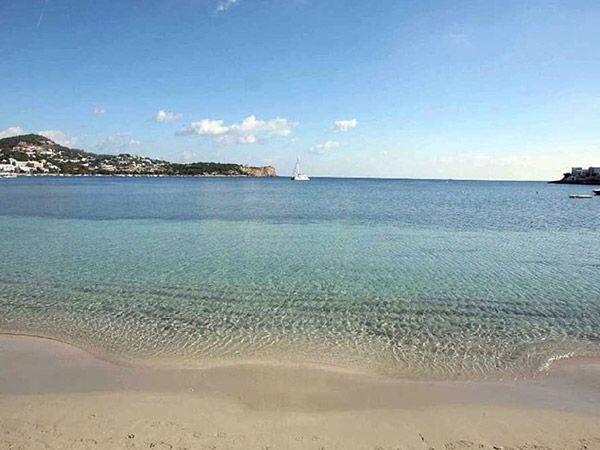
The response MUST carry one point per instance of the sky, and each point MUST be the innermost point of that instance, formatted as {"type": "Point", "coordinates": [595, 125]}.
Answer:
{"type": "Point", "coordinates": [486, 89]}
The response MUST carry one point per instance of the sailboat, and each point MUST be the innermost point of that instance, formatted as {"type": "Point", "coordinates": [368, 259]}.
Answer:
{"type": "Point", "coordinates": [298, 176]}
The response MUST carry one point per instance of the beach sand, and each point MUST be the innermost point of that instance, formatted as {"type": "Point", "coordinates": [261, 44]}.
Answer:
{"type": "Point", "coordinates": [55, 396]}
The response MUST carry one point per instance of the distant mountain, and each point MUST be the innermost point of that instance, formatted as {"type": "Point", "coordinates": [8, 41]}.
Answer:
{"type": "Point", "coordinates": [35, 154]}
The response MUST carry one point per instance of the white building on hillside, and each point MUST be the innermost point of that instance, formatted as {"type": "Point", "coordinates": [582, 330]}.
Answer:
{"type": "Point", "coordinates": [579, 173]}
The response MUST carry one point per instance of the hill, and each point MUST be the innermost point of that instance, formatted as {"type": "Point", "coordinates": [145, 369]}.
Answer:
{"type": "Point", "coordinates": [38, 155]}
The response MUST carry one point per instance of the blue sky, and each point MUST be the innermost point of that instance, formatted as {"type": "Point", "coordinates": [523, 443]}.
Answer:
{"type": "Point", "coordinates": [421, 88]}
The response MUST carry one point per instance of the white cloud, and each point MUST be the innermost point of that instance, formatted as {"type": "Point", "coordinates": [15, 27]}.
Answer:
{"type": "Point", "coordinates": [204, 127]}
{"type": "Point", "coordinates": [187, 156]}
{"type": "Point", "coordinates": [117, 143]}
{"type": "Point", "coordinates": [11, 131]}
{"type": "Point", "coordinates": [60, 137]}
{"type": "Point", "coordinates": [344, 125]}
{"type": "Point", "coordinates": [249, 131]}
{"type": "Point", "coordinates": [249, 139]}
{"type": "Point", "coordinates": [324, 147]}
{"type": "Point", "coordinates": [166, 116]}
{"type": "Point", "coordinates": [224, 5]}
{"type": "Point", "coordinates": [98, 110]}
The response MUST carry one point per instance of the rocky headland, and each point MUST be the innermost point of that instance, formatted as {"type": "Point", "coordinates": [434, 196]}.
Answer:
{"type": "Point", "coordinates": [579, 175]}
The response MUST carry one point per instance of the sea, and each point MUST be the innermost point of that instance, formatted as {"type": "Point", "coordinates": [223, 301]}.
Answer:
{"type": "Point", "coordinates": [411, 278]}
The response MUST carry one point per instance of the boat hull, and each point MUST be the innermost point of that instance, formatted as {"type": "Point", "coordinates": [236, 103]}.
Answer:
{"type": "Point", "coordinates": [580, 196]}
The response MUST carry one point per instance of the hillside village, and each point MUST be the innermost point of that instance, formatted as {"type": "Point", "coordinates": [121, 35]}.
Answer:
{"type": "Point", "coordinates": [33, 154]}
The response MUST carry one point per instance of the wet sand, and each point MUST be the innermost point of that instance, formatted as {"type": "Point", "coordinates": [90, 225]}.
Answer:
{"type": "Point", "coordinates": [56, 396]}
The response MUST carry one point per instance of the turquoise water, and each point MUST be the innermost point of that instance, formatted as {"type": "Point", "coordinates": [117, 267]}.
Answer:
{"type": "Point", "coordinates": [453, 279]}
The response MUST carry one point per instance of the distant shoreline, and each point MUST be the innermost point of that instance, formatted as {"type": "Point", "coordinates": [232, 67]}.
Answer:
{"type": "Point", "coordinates": [127, 175]}
{"type": "Point", "coordinates": [580, 183]}
{"type": "Point", "coordinates": [130, 175]}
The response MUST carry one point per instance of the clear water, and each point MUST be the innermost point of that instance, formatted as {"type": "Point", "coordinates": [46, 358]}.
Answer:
{"type": "Point", "coordinates": [425, 278]}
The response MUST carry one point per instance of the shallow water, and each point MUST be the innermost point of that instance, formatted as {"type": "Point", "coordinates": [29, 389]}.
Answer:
{"type": "Point", "coordinates": [426, 278]}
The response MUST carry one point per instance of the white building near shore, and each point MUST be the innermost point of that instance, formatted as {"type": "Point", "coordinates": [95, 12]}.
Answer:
{"type": "Point", "coordinates": [579, 173]}
{"type": "Point", "coordinates": [5, 168]}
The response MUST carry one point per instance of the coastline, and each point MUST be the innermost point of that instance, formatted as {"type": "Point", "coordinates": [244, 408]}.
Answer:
{"type": "Point", "coordinates": [131, 175]}
{"type": "Point", "coordinates": [579, 183]}
{"type": "Point", "coordinates": [58, 396]}
{"type": "Point", "coordinates": [287, 361]}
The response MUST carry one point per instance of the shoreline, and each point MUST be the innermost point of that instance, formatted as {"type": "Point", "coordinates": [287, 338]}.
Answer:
{"type": "Point", "coordinates": [578, 183]}
{"type": "Point", "coordinates": [130, 175]}
{"type": "Point", "coordinates": [554, 362]}
{"type": "Point", "coordinates": [59, 396]}
{"type": "Point", "coordinates": [37, 349]}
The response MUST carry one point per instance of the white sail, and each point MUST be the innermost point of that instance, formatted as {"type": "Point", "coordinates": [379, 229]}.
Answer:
{"type": "Point", "coordinates": [298, 176]}
{"type": "Point", "coordinates": [297, 167]}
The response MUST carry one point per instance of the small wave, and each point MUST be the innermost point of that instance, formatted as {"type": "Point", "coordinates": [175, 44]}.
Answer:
{"type": "Point", "coordinates": [545, 367]}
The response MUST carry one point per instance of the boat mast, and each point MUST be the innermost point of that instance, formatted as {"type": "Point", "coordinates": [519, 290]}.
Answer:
{"type": "Point", "coordinates": [297, 168]}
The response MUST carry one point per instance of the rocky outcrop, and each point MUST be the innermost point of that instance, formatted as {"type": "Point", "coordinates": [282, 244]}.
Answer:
{"type": "Point", "coordinates": [579, 175]}
{"type": "Point", "coordinates": [266, 171]}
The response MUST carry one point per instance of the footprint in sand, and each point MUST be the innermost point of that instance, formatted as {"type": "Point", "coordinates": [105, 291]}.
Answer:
{"type": "Point", "coordinates": [83, 444]}
{"type": "Point", "coordinates": [459, 445]}
{"type": "Point", "coordinates": [533, 447]}
{"type": "Point", "coordinates": [589, 444]}
{"type": "Point", "coordinates": [161, 445]}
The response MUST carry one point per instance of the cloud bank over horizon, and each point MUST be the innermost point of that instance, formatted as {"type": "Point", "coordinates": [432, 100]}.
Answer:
{"type": "Point", "coordinates": [60, 137]}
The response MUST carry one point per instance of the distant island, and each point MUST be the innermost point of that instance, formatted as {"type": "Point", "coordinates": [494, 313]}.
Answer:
{"type": "Point", "coordinates": [579, 175]}
{"type": "Point", "coordinates": [32, 154]}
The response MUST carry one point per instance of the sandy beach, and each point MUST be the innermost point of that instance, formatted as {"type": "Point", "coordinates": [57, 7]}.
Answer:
{"type": "Point", "coordinates": [56, 396]}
